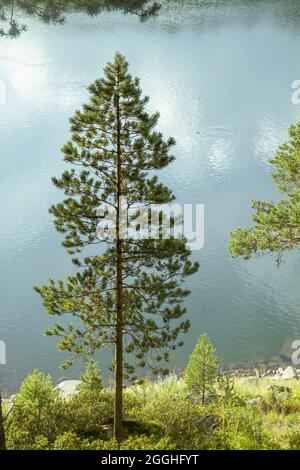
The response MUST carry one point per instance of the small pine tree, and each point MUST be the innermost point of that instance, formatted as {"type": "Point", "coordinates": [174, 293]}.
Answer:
{"type": "Point", "coordinates": [226, 386]}
{"type": "Point", "coordinates": [202, 368]}
{"type": "Point", "coordinates": [91, 379]}
{"type": "Point", "coordinates": [37, 390]}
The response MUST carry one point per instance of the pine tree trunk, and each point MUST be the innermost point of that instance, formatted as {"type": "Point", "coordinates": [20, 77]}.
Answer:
{"type": "Point", "coordinates": [118, 414]}
{"type": "Point", "coordinates": [2, 435]}
{"type": "Point", "coordinates": [119, 355]}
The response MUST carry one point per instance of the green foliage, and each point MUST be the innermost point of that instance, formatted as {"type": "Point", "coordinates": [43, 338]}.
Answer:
{"type": "Point", "coordinates": [41, 415]}
{"type": "Point", "coordinates": [115, 127]}
{"type": "Point", "coordinates": [294, 441]}
{"type": "Point", "coordinates": [91, 379]}
{"type": "Point", "coordinates": [88, 411]}
{"type": "Point", "coordinates": [226, 390]}
{"type": "Point", "coordinates": [147, 443]}
{"type": "Point", "coordinates": [55, 11]}
{"type": "Point", "coordinates": [38, 413]}
{"type": "Point", "coordinates": [241, 428]}
{"type": "Point", "coordinates": [67, 441]}
{"type": "Point", "coordinates": [2, 432]}
{"type": "Point", "coordinates": [281, 400]}
{"type": "Point", "coordinates": [36, 390]}
{"type": "Point", "coordinates": [201, 372]}
{"type": "Point", "coordinates": [160, 414]}
{"type": "Point", "coordinates": [276, 225]}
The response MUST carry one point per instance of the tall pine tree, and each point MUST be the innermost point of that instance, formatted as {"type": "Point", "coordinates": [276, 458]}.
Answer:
{"type": "Point", "coordinates": [127, 291]}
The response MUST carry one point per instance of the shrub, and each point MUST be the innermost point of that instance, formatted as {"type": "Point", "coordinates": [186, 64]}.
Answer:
{"type": "Point", "coordinates": [67, 441]}
{"type": "Point", "coordinates": [88, 411]}
{"type": "Point", "coordinates": [38, 412]}
{"type": "Point", "coordinates": [241, 428]}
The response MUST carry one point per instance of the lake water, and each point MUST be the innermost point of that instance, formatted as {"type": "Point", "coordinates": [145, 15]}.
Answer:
{"type": "Point", "coordinates": [221, 78]}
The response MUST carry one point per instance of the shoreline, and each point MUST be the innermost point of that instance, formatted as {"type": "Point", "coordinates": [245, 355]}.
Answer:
{"type": "Point", "coordinates": [256, 372]}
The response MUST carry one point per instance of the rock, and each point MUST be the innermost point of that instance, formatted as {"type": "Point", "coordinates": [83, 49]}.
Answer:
{"type": "Point", "coordinates": [206, 423]}
{"type": "Point", "coordinates": [288, 373]}
{"type": "Point", "coordinates": [109, 431]}
{"type": "Point", "coordinates": [279, 371]}
{"type": "Point", "coordinates": [67, 388]}
{"type": "Point", "coordinates": [255, 401]}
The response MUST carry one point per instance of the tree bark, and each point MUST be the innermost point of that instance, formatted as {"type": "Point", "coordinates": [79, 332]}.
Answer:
{"type": "Point", "coordinates": [118, 412]}
{"type": "Point", "coordinates": [2, 435]}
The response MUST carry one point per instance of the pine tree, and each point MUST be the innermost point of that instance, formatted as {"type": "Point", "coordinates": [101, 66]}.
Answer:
{"type": "Point", "coordinates": [2, 434]}
{"type": "Point", "coordinates": [276, 227]}
{"type": "Point", "coordinates": [201, 372]}
{"type": "Point", "coordinates": [127, 291]}
{"type": "Point", "coordinates": [91, 379]}
{"type": "Point", "coordinates": [37, 390]}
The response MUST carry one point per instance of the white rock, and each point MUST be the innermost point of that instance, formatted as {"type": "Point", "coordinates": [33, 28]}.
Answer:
{"type": "Point", "coordinates": [288, 373]}
{"type": "Point", "coordinates": [67, 388]}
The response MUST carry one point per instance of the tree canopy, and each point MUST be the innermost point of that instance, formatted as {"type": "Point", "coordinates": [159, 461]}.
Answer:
{"type": "Point", "coordinates": [127, 293]}
{"type": "Point", "coordinates": [13, 12]}
{"type": "Point", "coordinates": [276, 226]}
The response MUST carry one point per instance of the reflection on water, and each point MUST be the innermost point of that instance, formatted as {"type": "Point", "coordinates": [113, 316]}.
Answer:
{"type": "Point", "coordinates": [221, 78]}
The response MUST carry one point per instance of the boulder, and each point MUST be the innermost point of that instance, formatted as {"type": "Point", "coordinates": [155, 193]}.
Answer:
{"type": "Point", "coordinates": [288, 373]}
{"type": "Point", "coordinates": [206, 423]}
{"type": "Point", "coordinates": [67, 388]}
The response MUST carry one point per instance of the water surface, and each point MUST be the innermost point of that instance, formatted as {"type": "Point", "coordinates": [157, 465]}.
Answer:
{"type": "Point", "coordinates": [221, 78]}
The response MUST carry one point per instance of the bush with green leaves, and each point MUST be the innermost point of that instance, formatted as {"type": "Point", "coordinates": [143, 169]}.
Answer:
{"type": "Point", "coordinates": [88, 411]}
{"type": "Point", "coordinates": [240, 428]}
{"type": "Point", "coordinates": [38, 412]}
{"type": "Point", "coordinates": [161, 414]}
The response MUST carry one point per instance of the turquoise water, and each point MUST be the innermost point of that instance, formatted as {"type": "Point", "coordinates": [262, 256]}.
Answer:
{"type": "Point", "coordinates": [221, 79]}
